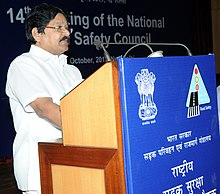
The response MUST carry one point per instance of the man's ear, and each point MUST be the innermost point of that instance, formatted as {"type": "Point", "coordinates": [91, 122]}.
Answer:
{"type": "Point", "coordinates": [36, 34]}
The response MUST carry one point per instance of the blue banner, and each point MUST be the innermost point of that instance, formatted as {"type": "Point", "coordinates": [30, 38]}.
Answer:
{"type": "Point", "coordinates": [170, 124]}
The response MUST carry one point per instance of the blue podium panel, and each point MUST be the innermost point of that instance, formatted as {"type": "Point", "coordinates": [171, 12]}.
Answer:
{"type": "Point", "coordinates": [170, 125]}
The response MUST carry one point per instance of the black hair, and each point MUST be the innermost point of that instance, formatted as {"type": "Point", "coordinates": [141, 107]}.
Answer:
{"type": "Point", "coordinates": [39, 17]}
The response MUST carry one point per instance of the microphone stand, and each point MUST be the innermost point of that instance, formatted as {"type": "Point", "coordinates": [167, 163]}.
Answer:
{"type": "Point", "coordinates": [172, 44]}
{"type": "Point", "coordinates": [141, 44]}
{"type": "Point", "coordinates": [99, 45]}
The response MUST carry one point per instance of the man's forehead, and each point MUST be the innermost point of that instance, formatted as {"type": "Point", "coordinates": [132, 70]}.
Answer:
{"type": "Point", "coordinates": [59, 19]}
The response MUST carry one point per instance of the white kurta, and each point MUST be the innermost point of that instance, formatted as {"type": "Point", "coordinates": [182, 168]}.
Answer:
{"type": "Point", "coordinates": [30, 76]}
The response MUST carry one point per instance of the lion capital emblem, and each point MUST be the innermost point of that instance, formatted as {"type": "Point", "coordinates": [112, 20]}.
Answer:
{"type": "Point", "coordinates": [145, 86]}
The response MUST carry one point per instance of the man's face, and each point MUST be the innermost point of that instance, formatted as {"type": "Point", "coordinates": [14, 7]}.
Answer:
{"type": "Point", "coordinates": [53, 40]}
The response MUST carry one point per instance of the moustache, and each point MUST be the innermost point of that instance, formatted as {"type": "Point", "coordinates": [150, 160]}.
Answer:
{"type": "Point", "coordinates": [65, 38]}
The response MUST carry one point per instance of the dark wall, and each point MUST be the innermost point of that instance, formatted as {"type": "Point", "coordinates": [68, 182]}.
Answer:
{"type": "Point", "coordinates": [98, 19]}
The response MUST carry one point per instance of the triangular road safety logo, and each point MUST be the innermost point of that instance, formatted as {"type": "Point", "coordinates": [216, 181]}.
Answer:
{"type": "Point", "coordinates": [197, 94]}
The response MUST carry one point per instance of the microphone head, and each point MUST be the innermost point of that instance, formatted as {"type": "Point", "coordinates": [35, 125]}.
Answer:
{"type": "Point", "coordinates": [98, 44]}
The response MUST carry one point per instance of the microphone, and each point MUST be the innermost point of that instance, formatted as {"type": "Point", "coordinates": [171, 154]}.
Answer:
{"type": "Point", "coordinates": [99, 46]}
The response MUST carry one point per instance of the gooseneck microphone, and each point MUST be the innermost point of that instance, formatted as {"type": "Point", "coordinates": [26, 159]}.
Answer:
{"type": "Point", "coordinates": [99, 46]}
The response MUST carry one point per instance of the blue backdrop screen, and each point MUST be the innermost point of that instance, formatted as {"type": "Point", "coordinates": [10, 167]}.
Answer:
{"type": "Point", "coordinates": [120, 22]}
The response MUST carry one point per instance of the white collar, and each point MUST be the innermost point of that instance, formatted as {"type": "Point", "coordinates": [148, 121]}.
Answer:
{"type": "Point", "coordinates": [45, 55]}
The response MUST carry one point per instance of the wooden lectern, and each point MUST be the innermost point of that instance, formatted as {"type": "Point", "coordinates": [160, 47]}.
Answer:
{"type": "Point", "coordinates": [89, 159]}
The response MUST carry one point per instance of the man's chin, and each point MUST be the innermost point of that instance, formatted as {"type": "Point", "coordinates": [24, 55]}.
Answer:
{"type": "Point", "coordinates": [65, 46]}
